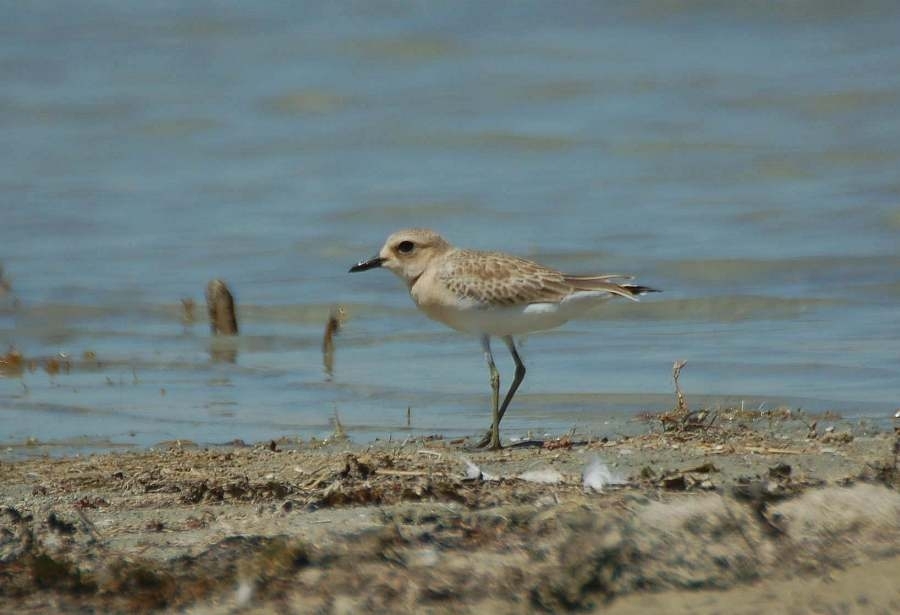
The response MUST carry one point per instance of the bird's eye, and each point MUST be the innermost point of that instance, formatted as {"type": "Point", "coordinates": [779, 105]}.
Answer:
{"type": "Point", "coordinates": [405, 247]}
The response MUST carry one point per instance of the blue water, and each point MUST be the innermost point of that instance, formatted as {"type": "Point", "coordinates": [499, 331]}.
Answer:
{"type": "Point", "coordinates": [743, 158]}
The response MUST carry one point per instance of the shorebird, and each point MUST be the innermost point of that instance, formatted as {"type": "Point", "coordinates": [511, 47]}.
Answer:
{"type": "Point", "coordinates": [491, 294]}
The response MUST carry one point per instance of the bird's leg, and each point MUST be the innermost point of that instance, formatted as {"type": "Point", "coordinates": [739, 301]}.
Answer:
{"type": "Point", "coordinates": [517, 379]}
{"type": "Point", "coordinates": [493, 437]}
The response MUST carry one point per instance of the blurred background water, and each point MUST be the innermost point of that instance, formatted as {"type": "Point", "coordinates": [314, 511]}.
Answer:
{"type": "Point", "coordinates": [743, 157]}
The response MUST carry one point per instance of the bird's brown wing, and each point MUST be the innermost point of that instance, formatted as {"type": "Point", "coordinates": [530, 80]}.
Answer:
{"type": "Point", "coordinates": [497, 279]}
{"type": "Point", "coordinates": [494, 278]}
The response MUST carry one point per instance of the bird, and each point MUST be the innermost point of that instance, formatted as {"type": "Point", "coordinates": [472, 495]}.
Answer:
{"type": "Point", "coordinates": [492, 294]}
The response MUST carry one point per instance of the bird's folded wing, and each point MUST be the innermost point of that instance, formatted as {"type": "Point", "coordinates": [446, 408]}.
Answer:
{"type": "Point", "coordinates": [497, 279]}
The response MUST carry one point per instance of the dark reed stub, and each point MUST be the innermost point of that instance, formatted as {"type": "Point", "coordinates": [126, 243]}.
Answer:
{"type": "Point", "coordinates": [335, 319]}
{"type": "Point", "coordinates": [220, 303]}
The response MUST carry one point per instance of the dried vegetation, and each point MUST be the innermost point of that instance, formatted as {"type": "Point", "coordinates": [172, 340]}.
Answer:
{"type": "Point", "coordinates": [318, 528]}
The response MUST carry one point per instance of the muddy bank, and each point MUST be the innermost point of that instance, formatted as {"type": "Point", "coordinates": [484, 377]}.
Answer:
{"type": "Point", "coordinates": [681, 519]}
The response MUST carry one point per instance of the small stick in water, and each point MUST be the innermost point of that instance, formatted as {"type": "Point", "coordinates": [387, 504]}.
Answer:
{"type": "Point", "coordinates": [187, 311]}
{"type": "Point", "coordinates": [339, 432]}
{"type": "Point", "coordinates": [679, 396]}
{"type": "Point", "coordinates": [220, 303]}
{"type": "Point", "coordinates": [5, 285]}
{"type": "Point", "coordinates": [332, 327]}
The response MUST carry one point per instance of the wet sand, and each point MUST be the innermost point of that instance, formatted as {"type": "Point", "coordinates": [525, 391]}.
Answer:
{"type": "Point", "coordinates": [750, 514]}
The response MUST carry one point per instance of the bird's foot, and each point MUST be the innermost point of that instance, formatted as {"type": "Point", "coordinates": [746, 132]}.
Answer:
{"type": "Point", "coordinates": [487, 441]}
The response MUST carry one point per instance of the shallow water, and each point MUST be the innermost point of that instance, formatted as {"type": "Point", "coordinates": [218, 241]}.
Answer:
{"type": "Point", "coordinates": [742, 159]}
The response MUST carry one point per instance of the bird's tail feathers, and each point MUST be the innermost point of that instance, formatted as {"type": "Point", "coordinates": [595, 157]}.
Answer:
{"type": "Point", "coordinates": [603, 282]}
{"type": "Point", "coordinates": [637, 289]}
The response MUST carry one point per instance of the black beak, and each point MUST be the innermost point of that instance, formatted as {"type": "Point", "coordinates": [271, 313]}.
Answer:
{"type": "Point", "coordinates": [372, 263]}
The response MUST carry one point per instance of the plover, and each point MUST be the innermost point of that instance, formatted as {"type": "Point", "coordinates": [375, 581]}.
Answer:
{"type": "Point", "coordinates": [491, 294]}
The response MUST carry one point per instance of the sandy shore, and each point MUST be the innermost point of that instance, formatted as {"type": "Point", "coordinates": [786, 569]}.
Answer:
{"type": "Point", "coordinates": [751, 514]}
